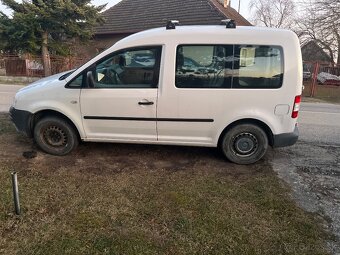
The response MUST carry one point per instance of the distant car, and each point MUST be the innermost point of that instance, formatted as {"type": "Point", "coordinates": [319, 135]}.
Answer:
{"type": "Point", "coordinates": [306, 73]}
{"type": "Point", "coordinates": [329, 79]}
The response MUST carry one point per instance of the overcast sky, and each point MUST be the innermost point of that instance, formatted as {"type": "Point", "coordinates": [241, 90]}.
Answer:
{"type": "Point", "coordinates": [234, 3]}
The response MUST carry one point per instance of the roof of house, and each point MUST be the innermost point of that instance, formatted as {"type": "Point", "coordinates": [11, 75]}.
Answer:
{"type": "Point", "coordinates": [311, 51]}
{"type": "Point", "coordinates": [130, 16]}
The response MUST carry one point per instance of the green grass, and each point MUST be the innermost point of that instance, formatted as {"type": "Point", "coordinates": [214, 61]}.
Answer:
{"type": "Point", "coordinates": [129, 199]}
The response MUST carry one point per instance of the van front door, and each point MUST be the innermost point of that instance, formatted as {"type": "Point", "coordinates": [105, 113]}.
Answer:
{"type": "Point", "coordinates": [120, 102]}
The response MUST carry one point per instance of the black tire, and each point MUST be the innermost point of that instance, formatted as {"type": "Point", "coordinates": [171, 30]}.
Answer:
{"type": "Point", "coordinates": [244, 144]}
{"type": "Point", "coordinates": [55, 136]}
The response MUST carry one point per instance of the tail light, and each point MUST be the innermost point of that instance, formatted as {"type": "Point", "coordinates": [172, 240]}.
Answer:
{"type": "Point", "coordinates": [296, 107]}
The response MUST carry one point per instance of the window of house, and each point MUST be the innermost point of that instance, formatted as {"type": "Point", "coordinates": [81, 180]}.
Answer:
{"type": "Point", "coordinates": [132, 68]}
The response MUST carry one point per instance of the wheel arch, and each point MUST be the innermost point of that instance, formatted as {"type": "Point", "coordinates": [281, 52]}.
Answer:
{"type": "Point", "coordinates": [48, 112]}
{"type": "Point", "coordinates": [256, 122]}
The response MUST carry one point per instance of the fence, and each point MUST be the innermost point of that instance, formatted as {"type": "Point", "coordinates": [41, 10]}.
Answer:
{"type": "Point", "coordinates": [322, 80]}
{"type": "Point", "coordinates": [32, 66]}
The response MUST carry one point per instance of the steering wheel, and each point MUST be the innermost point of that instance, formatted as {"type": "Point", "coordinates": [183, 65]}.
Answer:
{"type": "Point", "coordinates": [112, 76]}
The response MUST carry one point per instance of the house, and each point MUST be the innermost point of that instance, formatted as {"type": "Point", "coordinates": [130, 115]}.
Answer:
{"type": "Point", "coordinates": [312, 52]}
{"type": "Point", "coordinates": [131, 16]}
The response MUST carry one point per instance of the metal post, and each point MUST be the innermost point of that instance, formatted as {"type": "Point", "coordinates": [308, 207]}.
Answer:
{"type": "Point", "coordinates": [16, 193]}
{"type": "Point", "coordinates": [315, 78]}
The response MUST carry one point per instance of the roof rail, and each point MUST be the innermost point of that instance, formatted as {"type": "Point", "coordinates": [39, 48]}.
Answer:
{"type": "Point", "coordinates": [172, 24]}
{"type": "Point", "coordinates": [230, 23]}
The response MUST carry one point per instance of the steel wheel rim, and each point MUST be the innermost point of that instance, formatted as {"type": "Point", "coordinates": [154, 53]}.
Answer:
{"type": "Point", "coordinates": [245, 144]}
{"type": "Point", "coordinates": [55, 136]}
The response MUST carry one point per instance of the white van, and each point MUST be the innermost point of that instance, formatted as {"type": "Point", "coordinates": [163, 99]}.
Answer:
{"type": "Point", "coordinates": [233, 88]}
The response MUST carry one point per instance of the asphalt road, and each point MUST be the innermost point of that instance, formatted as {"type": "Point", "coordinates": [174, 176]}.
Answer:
{"type": "Point", "coordinates": [7, 93]}
{"type": "Point", "coordinates": [312, 166]}
{"type": "Point", "coordinates": [320, 123]}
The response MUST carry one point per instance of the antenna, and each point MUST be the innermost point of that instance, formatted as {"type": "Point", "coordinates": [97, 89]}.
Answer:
{"type": "Point", "coordinates": [172, 24]}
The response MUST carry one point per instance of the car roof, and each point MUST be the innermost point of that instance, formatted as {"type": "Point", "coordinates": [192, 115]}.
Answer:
{"type": "Point", "coordinates": [162, 35]}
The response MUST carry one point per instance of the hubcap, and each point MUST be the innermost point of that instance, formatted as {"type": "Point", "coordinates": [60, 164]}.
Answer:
{"type": "Point", "coordinates": [245, 144]}
{"type": "Point", "coordinates": [55, 136]}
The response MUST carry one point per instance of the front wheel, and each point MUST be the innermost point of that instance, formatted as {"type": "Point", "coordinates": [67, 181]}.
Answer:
{"type": "Point", "coordinates": [244, 144]}
{"type": "Point", "coordinates": [55, 136]}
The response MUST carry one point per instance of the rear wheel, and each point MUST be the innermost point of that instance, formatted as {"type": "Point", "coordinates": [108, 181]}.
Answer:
{"type": "Point", "coordinates": [55, 136]}
{"type": "Point", "coordinates": [244, 144]}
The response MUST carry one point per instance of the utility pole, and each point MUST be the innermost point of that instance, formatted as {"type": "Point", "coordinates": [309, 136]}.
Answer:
{"type": "Point", "coordinates": [239, 6]}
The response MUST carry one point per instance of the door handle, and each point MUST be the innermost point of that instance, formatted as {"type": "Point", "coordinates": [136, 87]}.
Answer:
{"type": "Point", "coordinates": [145, 103]}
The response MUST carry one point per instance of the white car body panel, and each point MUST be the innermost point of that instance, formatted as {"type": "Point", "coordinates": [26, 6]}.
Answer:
{"type": "Point", "coordinates": [122, 103]}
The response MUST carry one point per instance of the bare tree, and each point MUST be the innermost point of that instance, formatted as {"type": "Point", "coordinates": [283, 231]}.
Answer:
{"type": "Point", "coordinates": [273, 13]}
{"type": "Point", "coordinates": [320, 22]}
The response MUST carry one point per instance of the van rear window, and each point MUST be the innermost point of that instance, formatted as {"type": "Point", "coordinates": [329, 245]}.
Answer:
{"type": "Point", "coordinates": [229, 66]}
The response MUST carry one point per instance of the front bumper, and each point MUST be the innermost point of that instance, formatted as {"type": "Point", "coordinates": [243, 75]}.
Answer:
{"type": "Point", "coordinates": [22, 121]}
{"type": "Point", "coordinates": [288, 139]}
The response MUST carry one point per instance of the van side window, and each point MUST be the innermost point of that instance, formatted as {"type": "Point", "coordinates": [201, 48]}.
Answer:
{"type": "Point", "coordinates": [204, 66]}
{"type": "Point", "coordinates": [229, 66]}
{"type": "Point", "coordinates": [258, 67]}
{"type": "Point", "coordinates": [77, 82]}
{"type": "Point", "coordinates": [131, 68]}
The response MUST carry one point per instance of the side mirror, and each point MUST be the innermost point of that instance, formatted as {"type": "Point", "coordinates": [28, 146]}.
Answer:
{"type": "Point", "coordinates": [90, 79]}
